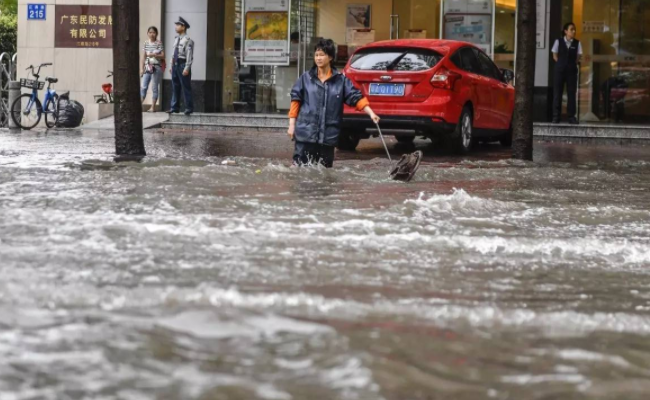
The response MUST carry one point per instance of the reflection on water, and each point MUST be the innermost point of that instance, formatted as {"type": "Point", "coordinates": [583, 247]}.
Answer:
{"type": "Point", "coordinates": [179, 277]}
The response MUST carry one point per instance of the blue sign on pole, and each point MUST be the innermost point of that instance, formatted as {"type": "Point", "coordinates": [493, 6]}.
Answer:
{"type": "Point", "coordinates": [36, 11]}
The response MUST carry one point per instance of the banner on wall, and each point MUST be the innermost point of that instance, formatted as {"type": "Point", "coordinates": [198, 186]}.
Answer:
{"type": "Point", "coordinates": [266, 32]}
{"type": "Point", "coordinates": [78, 26]}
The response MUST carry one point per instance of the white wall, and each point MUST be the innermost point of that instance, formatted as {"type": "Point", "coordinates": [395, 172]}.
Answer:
{"type": "Point", "coordinates": [80, 71]}
{"type": "Point", "coordinates": [195, 12]}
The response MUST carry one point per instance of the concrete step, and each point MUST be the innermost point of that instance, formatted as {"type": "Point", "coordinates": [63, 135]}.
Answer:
{"type": "Point", "coordinates": [276, 121]}
{"type": "Point", "coordinates": [592, 131]}
{"type": "Point", "coordinates": [220, 127]}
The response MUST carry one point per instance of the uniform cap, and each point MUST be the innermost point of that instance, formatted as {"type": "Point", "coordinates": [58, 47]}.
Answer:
{"type": "Point", "coordinates": [181, 21]}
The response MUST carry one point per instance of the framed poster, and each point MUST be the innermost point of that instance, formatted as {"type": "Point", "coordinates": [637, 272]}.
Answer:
{"type": "Point", "coordinates": [78, 26]}
{"type": "Point", "coordinates": [266, 31]}
{"type": "Point", "coordinates": [358, 16]}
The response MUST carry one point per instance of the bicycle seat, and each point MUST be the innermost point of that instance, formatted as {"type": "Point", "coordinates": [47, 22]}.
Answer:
{"type": "Point", "coordinates": [52, 80]}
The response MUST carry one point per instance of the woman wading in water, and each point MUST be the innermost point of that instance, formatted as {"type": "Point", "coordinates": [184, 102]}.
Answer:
{"type": "Point", "coordinates": [317, 101]}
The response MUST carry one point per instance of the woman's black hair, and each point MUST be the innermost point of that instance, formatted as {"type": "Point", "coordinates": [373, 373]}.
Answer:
{"type": "Point", "coordinates": [154, 29]}
{"type": "Point", "coordinates": [566, 27]}
{"type": "Point", "coordinates": [327, 46]}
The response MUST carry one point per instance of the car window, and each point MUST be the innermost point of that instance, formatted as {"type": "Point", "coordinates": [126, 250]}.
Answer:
{"type": "Point", "coordinates": [466, 59]}
{"type": "Point", "coordinates": [489, 69]}
{"type": "Point", "coordinates": [399, 59]}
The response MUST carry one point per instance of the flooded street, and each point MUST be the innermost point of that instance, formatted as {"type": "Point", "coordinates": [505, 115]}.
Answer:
{"type": "Point", "coordinates": [181, 278]}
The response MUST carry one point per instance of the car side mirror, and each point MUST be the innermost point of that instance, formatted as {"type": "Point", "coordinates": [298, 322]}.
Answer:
{"type": "Point", "coordinates": [508, 75]}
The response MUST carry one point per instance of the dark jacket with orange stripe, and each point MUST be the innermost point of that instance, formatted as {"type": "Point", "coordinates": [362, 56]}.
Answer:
{"type": "Point", "coordinates": [321, 106]}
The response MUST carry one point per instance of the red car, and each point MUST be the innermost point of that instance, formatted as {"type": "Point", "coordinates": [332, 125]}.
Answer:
{"type": "Point", "coordinates": [430, 88]}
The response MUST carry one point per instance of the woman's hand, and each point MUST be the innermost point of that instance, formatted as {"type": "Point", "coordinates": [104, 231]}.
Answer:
{"type": "Point", "coordinates": [375, 118]}
{"type": "Point", "coordinates": [292, 128]}
{"type": "Point", "coordinates": [141, 72]}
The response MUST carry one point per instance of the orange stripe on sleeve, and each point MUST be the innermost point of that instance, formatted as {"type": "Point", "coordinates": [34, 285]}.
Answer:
{"type": "Point", "coordinates": [363, 103]}
{"type": "Point", "coordinates": [295, 109]}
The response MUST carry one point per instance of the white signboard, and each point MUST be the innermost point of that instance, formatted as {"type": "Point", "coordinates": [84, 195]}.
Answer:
{"type": "Point", "coordinates": [468, 6]}
{"type": "Point", "coordinates": [541, 24]}
{"type": "Point", "coordinates": [266, 32]}
{"type": "Point", "coordinates": [472, 28]}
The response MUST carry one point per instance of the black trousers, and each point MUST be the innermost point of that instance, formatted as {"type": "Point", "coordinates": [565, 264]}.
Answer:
{"type": "Point", "coordinates": [313, 153]}
{"type": "Point", "coordinates": [180, 81]}
{"type": "Point", "coordinates": [570, 79]}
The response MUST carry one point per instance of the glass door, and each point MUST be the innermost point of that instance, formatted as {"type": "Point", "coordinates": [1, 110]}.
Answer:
{"type": "Point", "coordinates": [415, 19]}
{"type": "Point", "coordinates": [614, 81]}
{"type": "Point", "coordinates": [265, 88]}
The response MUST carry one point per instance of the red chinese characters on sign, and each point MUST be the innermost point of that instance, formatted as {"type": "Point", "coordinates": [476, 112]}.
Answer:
{"type": "Point", "coordinates": [83, 27]}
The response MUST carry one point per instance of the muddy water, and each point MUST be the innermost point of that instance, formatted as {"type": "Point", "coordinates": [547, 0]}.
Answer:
{"type": "Point", "coordinates": [181, 278]}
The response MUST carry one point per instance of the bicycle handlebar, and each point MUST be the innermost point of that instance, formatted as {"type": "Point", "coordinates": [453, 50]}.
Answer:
{"type": "Point", "coordinates": [39, 68]}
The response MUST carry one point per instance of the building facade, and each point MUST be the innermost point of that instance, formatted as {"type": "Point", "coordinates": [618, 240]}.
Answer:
{"type": "Point", "coordinates": [614, 82]}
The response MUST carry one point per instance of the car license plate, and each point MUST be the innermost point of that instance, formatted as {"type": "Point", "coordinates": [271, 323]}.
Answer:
{"type": "Point", "coordinates": [387, 89]}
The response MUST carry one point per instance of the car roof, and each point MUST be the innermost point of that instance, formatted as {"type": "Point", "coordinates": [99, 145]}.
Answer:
{"type": "Point", "coordinates": [442, 46]}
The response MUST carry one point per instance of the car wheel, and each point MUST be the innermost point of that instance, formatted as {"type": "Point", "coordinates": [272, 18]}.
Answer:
{"type": "Point", "coordinates": [405, 139]}
{"type": "Point", "coordinates": [348, 141]}
{"type": "Point", "coordinates": [462, 138]}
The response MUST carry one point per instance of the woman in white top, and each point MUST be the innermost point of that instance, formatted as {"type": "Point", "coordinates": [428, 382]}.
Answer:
{"type": "Point", "coordinates": [567, 52]}
{"type": "Point", "coordinates": [152, 66]}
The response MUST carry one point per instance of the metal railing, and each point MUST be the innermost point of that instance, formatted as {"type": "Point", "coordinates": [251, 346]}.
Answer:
{"type": "Point", "coordinates": [7, 74]}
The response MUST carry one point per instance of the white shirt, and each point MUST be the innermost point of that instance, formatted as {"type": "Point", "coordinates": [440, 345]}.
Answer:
{"type": "Point", "coordinates": [556, 46]}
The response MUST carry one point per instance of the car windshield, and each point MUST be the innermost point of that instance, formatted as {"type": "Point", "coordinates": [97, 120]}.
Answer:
{"type": "Point", "coordinates": [397, 59]}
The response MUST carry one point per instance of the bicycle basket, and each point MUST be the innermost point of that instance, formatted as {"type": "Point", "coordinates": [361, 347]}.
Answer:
{"type": "Point", "coordinates": [32, 84]}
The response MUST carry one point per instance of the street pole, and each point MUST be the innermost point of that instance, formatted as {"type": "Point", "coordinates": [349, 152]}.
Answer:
{"type": "Point", "coordinates": [14, 93]}
{"type": "Point", "coordinates": [129, 140]}
{"type": "Point", "coordinates": [522, 124]}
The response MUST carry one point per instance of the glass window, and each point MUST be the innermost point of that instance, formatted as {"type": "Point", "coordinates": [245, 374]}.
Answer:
{"type": "Point", "coordinates": [395, 59]}
{"type": "Point", "coordinates": [489, 69]}
{"type": "Point", "coordinates": [465, 59]}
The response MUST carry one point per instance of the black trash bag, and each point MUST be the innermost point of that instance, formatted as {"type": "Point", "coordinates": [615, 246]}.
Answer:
{"type": "Point", "coordinates": [71, 112]}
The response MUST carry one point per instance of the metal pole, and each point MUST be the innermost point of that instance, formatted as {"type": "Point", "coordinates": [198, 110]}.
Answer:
{"type": "Point", "coordinates": [14, 93]}
{"type": "Point", "coordinates": [300, 37]}
{"type": "Point", "coordinates": [384, 142]}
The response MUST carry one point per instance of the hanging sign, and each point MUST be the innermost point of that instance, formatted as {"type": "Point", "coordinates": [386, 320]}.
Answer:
{"type": "Point", "coordinates": [83, 27]}
{"type": "Point", "coordinates": [541, 24]}
{"type": "Point", "coordinates": [266, 32]}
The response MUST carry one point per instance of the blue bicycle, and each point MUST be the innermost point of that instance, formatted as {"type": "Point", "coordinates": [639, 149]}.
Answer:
{"type": "Point", "coordinates": [27, 110]}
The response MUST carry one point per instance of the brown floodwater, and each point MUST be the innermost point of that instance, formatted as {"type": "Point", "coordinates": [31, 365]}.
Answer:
{"type": "Point", "coordinates": [179, 277]}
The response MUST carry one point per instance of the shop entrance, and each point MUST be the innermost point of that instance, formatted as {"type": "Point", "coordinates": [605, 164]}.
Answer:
{"type": "Point", "coordinates": [614, 85]}
{"type": "Point", "coordinates": [265, 88]}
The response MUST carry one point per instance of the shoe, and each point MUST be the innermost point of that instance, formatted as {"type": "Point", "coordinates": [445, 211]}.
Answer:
{"type": "Point", "coordinates": [172, 111]}
{"type": "Point", "coordinates": [555, 121]}
{"type": "Point", "coordinates": [573, 121]}
{"type": "Point", "coordinates": [188, 112]}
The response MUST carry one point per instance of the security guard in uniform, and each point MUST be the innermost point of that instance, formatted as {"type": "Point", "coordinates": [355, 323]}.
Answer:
{"type": "Point", "coordinates": [567, 52]}
{"type": "Point", "coordinates": [182, 68]}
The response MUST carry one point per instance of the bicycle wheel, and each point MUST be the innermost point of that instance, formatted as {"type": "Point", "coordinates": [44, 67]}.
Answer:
{"type": "Point", "coordinates": [25, 117]}
{"type": "Point", "coordinates": [52, 112]}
